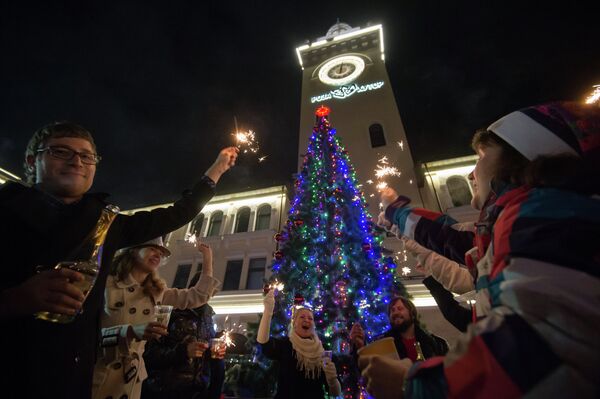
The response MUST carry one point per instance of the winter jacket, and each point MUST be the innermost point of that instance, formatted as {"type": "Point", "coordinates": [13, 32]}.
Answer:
{"type": "Point", "coordinates": [540, 280]}
{"type": "Point", "coordinates": [459, 316]}
{"type": "Point", "coordinates": [61, 364]}
{"type": "Point", "coordinates": [453, 276]}
{"type": "Point", "coordinates": [291, 381]}
{"type": "Point", "coordinates": [171, 374]}
{"type": "Point", "coordinates": [120, 369]}
{"type": "Point", "coordinates": [431, 345]}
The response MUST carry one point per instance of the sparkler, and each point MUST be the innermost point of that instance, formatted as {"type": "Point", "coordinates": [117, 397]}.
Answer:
{"type": "Point", "coordinates": [226, 338]}
{"type": "Point", "coordinates": [594, 96]}
{"type": "Point", "coordinates": [277, 286]}
{"type": "Point", "coordinates": [191, 238]}
{"type": "Point", "coordinates": [246, 141]}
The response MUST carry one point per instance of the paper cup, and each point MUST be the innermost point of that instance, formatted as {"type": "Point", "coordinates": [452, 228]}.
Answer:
{"type": "Point", "coordinates": [382, 347]}
{"type": "Point", "coordinates": [162, 314]}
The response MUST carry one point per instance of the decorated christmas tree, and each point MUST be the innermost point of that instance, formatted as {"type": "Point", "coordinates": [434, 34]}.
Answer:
{"type": "Point", "coordinates": [330, 256]}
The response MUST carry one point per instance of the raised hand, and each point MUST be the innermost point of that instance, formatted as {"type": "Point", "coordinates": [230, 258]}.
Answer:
{"type": "Point", "coordinates": [357, 336]}
{"type": "Point", "coordinates": [269, 301]}
{"type": "Point", "coordinates": [225, 161]}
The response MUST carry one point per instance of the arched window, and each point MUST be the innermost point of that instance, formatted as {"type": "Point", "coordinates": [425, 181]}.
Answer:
{"type": "Point", "coordinates": [458, 187]}
{"type": "Point", "coordinates": [242, 220]}
{"type": "Point", "coordinates": [216, 219]}
{"type": "Point", "coordinates": [376, 135]}
{"type": "Point", "coordinates": [196, 227]}
{"type": "Point", "coordinates": [263, 217]}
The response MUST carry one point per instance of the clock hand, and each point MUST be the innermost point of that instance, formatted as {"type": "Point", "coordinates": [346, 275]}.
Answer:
{"type": "Point", "coordinates": [341, 65]}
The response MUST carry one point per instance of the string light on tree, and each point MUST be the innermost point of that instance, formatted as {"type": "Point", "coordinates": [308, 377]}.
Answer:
{"type": "Point", "coordinates": [330, 254]}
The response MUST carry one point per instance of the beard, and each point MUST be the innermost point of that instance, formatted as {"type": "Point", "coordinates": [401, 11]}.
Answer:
{"type": "Point", "coordinates": [402, 327]}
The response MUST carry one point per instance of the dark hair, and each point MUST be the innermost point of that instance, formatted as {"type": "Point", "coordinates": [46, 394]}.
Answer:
{"type": "Point", "coordinates": [412, 310]}
{"type": "Point", "coordinates": [566, 172]}
{"type": "Point", "coordinates": [52, 130]}
{"type": "Point", "coordinates": [512, 164]}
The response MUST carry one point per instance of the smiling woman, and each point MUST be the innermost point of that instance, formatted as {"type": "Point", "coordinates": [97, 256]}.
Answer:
{"type": "Point", "coordinates": [132, 292]}
{"type": "Point", "coordinates": [304, 370]}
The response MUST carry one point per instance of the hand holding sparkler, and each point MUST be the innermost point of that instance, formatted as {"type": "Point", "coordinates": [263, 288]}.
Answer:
{"type": "Point", "coordinates": [225, 161]}
{"type": "Point", "coordinates": [274, 285]}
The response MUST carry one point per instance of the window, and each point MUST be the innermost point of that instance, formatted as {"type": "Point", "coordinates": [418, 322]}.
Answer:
{"type": "Point", "coordinates": [256, 273]}
{"type": "Point", "coordinates": [377, 136]}
{"type": "Point", "coordinates": [196, 226]}
{"type": "Point", "coordinates": [459, 190]}
{"type": "Point", "coordinates": [263, 217]}
{"type": "Point", "coordinates": [242, 219]}
{"type": "Point", "coordinates": [232, 275]}
{"type": "Point", "coordinates": [182, 275]}
{"type": "Point", "coordinates": [214, 229]}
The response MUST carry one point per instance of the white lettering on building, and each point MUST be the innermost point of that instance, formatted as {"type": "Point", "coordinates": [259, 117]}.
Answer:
{"type": "Point", "coordinates": [346, 91]}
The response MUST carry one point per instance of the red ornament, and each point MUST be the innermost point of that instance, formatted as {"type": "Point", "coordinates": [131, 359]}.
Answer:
{"type": "Point", "coordinates": [298, 299]}
{"type": "Point", "coordinates": [278, 255]}
{"type": "Point", "coordinates": [298, 222]}
{"type": "Point", "coordinates": [322, 111]}
{"type": "Point", "coordinates": [366, 246]}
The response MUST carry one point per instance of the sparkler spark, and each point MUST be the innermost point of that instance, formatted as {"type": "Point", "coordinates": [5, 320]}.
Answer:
{"type": "Point", "coordinates": [246, 141]}
{"type": "Point", "coordinates": [406, 271]}
{"type": "Point", "coordinates": [594, 96]}
{"type": "Point", "coordinates": [401, 144]}
{"type": "Point", "coordinates": [370, 181]}
{"type": "Point", "coordinates": [381, 185]}
{"type": "Point", "coordinates": [277, 286]}
{"type": "Point", "coordinates": [262, 158]}
{"type": "Point", "coordinates": [382, 171]}
{"type": "Point", "coordinates": [226, 338]}
{"type": "Point", "coordinates": [191, 238]}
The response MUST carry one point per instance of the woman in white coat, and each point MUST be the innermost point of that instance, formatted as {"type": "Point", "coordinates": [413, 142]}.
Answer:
{"type": "Point", "coordinates": [132, 290]}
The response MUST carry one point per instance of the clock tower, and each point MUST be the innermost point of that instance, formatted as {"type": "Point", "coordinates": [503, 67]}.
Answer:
{"type": "Point", "coordinates": [345, 71]}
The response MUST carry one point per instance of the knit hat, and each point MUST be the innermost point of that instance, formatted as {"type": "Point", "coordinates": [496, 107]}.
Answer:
{"type": "Point", "coordinates": [551, 129]}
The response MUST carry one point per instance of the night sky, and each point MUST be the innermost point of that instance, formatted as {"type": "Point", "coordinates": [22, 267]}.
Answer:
{"type": "Point", "coordinates": [158, 83]}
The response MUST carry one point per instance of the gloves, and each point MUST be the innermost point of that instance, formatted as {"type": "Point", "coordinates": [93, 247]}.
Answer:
{"type": "Point", "coordinates": [262, 336]}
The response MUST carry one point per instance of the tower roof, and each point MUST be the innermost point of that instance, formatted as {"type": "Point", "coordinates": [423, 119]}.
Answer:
{"type": "Point", "coordinates": [337, 29]}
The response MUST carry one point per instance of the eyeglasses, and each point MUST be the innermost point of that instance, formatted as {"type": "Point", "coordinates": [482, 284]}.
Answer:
{"type": "Point", "coordinates": [67, 154]}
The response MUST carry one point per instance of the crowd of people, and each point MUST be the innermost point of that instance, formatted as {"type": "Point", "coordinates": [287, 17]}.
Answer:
{"type": "Point", "coordinates": [530, 262]}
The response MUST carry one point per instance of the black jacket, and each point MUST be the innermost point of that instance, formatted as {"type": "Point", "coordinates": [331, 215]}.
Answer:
{"type": "Point", "coordinates": [457, 315]}
{"type": "Point", "coordinates": [431, 345]}
{"type": "Point", "coordinates": [57, 360]}
{"type": "Point", "coordinates": [171, 374]}
{"type": "Point", "coordinates": [291, 382]}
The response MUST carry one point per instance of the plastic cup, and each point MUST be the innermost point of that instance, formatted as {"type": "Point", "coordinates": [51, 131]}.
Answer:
{"type": "Point", "coordinates": [327, 356]}
{"type": "Point", "coordinates": [162, 314]}
{"type": "Point", "coordinates": [382, 347]}
{"type": "Point", "coordinates": [216, 344]}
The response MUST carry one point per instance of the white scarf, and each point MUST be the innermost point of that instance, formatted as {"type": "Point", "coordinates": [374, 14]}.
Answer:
{"type": "Point", "coordinates": [309, 354]}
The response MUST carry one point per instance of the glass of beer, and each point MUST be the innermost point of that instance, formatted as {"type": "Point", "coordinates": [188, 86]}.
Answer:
{"type": "Point", "coordinates": [216, 345]}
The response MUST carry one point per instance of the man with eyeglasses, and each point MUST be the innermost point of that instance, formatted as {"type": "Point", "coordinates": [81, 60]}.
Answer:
{"type": "Point", "coordinates": [50, 219]}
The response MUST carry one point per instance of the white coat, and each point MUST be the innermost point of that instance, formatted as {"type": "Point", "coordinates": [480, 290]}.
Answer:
{"type": "Point", "coordinates": [120, 368]}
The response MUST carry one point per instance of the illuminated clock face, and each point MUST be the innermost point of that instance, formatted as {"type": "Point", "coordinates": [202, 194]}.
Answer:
{"type": "Point", "coordinates": [341, 70]}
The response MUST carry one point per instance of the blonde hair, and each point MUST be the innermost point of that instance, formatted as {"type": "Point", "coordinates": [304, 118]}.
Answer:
{"type": "Point", "coordinates": [122, 265]}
